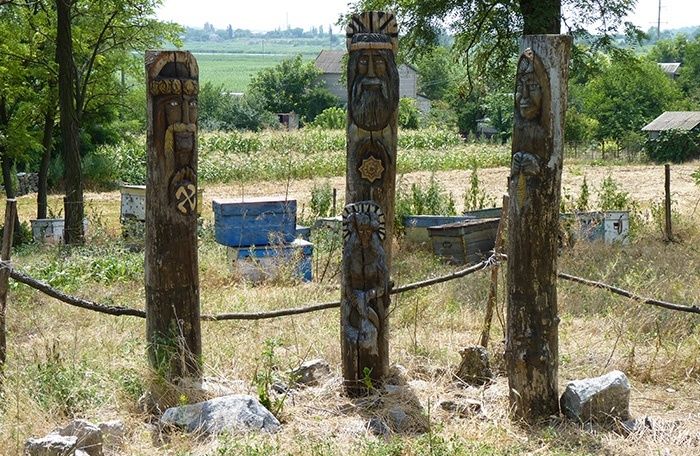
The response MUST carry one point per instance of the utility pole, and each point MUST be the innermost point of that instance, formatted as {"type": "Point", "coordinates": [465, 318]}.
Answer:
{"type": "Point", "coordinates": [658, 24]}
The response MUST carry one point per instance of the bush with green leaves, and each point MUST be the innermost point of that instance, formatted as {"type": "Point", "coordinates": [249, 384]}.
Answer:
{"type": "Point", "coordinates": [333, 118]}
{"type": "Point", "coordinates": [420, 199]}
{"type": "Point", "coordinates": [475, 197]}
{"type": "Point", "coordinates": [409, 114]}
{"type": "Point", "coordinates": [676, 146]}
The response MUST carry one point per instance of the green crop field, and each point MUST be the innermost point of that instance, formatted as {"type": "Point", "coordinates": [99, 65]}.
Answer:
{"type": "Point", "coordinates": [233, 71]}
{"type": "Point", "coordinates": [232, 63]}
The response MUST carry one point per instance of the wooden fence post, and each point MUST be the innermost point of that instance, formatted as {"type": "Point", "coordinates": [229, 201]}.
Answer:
{"type": "Point", "coordinates": [532, 335]}
{"type": "Point", "coordinates": [172, 282]}
{"type": "Point", "coordinates": [493, 288]}
{"type": "Point", "coordinates": [373, 100]}
{"type": "Point", "coordinates": [10, 214]}
{"type": "Point", "coordinates": [667, 201]}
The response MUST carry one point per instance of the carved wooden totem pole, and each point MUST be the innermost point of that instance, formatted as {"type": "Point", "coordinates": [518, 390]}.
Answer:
{"type": "Point", "coordinates": [373, 99]}
{"type": "Point", "coordinates": [532, 336]}
{"type": "Point", "coordinates": [172, 283]}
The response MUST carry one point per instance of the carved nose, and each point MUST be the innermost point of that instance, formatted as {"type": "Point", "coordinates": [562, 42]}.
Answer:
{"type": "Point", "coordinates": [185, 112]}
{"type": "Point", "coordinates": [370, 67]}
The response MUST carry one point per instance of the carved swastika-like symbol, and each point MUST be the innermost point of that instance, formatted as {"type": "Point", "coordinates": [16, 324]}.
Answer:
{"type": "Point", "coordinates": [186, 195]}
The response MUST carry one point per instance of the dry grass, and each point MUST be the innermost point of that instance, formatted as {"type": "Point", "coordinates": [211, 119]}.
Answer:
{"type": "Point", "coordinates": [66, 362]}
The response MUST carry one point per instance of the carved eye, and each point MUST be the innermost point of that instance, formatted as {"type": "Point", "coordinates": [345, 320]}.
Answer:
{"type": "Point", "coordinates": [174, 103]}
{"type": "Point", "coordinates": [533, 86]}
{"type": "Point", "coordinates": [193, 104]}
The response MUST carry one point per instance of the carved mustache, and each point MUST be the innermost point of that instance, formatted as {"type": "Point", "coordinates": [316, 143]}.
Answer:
{"type": "Point", "coordinates": [177, 128]}
{"type": "Point", "coordinates": [371, 83]}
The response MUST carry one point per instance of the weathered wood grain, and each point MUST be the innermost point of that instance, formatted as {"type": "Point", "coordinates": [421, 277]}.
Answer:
{"type": "Point", "coordinates": [373, 98]}
{"type": "Point", "coordinates": [172, 282]}
{"type": "Point", "coordinates": [532, 336]}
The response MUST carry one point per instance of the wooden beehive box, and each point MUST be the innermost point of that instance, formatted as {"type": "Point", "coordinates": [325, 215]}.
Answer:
{"type": "Point", "coordinates": [465, 242]}
{"type": "Point", "coordinates": [133, 202]}
{"type": "Point", "coordinates": [259, 263]}
{"type": "Point", "coordinates": [256, 221]}
{"type": "Point", "coordinates": [416, 226]}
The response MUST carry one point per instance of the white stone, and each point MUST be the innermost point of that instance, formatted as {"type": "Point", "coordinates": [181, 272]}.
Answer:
{"type": "Point", "coordinates": [599, 398]}
{"type": "Point", "coordinates": [233, 414]}
{"type": "Point", "coordinates": [51, 445]}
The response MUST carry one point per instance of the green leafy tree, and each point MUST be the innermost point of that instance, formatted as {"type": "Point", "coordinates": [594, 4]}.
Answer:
{"type": "Point", "coordinates": [97, 39]}
{"type": "Point", "coordinates": [486, 32]}
{"type": "Point", "coordinates": [292, 85]}
{"type": "Point", "coordinates": [627, 94]}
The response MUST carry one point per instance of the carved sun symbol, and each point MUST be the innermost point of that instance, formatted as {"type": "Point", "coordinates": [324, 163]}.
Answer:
{"type": "Point", "coordinates": [371, 169]}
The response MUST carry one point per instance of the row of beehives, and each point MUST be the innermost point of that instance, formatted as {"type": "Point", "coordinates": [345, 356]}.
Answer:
{"type": "Point", "coordinates": [469, 238]}
{"type": "Point", "coordinates": [261, 236]}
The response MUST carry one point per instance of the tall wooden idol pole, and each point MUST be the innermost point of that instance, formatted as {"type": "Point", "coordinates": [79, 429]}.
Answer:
{"type": "Point", "coordinates": [172, 282]}
{"type": "Point", "coordinates": [373, 100]}
{"type": "Point", "coordinates": [532, 334]}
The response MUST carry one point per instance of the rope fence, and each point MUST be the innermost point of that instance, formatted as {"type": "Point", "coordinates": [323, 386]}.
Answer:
{"type": "Point", "coordinates": [491, 261]}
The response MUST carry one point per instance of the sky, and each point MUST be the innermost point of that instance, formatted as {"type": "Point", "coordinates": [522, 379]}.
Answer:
{"type": "Point", "coordinates": [263, 15]}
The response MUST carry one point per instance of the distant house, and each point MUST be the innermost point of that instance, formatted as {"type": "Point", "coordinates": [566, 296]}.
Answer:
{"type": "Point", "coordinates": [671, 69]}
{"type": "Point", "coordinates": [673, 120]}
{"type": "Point", "coordinates": [332, 67]}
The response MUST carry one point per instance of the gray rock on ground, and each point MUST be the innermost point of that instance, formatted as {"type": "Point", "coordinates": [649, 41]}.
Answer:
{"type": "Point", "coordinates": [234, 414]}
{"type": "Point", "coordinates": [463, 407]}
{"type": "Point", "coordinates": [597, 399]}
{"type": "Point", "coordinates": [89, 436]}
{"type": "Point", "coordinates": [51, 445]}
{"type": "Point", "coordinates": [113, 432]}
{"type": "Point", "coordinates": [474, 368]}
{"type": "Point", "coordinates": [311, 372]}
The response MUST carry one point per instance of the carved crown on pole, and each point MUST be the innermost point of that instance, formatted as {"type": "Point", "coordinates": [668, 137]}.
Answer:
{"type": "Point", "coordinates": [365, 30]}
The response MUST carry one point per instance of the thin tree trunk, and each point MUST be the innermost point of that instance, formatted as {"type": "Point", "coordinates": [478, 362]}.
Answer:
{"type": "Point", "coordinates": [47, 143]}
{"type": "Point", "coordinates": [73, 201]}
{"type": "Point", "coordinates": [541, 16]}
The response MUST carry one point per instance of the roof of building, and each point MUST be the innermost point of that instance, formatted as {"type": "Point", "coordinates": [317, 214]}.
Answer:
{"type": "Point", "coordinates": [332, 62]}
{"type": "Point", "coordinates": [674, 120]}
{"type": "Point", "coordinates": [670, 68]}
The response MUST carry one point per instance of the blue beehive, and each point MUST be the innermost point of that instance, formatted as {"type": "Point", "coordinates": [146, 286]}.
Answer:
{"type": "Point", "coordinates": [258, 263]}
{"type": "Point", "coordinates": [257, 221]}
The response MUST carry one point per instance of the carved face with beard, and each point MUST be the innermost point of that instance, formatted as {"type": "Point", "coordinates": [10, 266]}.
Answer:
{"type": "Point", "coordinates": [374, 94]}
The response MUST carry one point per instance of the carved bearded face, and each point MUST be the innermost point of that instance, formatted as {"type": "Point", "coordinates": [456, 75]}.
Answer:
{"type": "Point", "coordinates": [373, 97]}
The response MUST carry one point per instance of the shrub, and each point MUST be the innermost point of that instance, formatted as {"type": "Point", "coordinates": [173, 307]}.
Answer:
{"type": "Point", "coordinates": [432, 199]}
{"type": "Point", "coordinates": [675, 146]}
{"type": "Point", "coordinates": [332, 118]}
{"type": "Point", "coordinates": [409, 114]}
